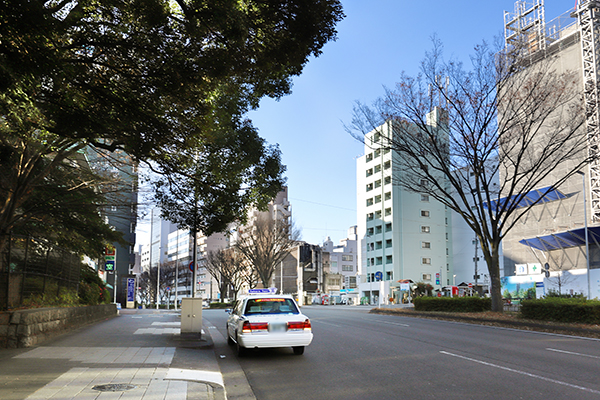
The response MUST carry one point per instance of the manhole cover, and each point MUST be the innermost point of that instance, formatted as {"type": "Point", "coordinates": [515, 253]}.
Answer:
{"type": "Point", "coordinates": [113, 387]}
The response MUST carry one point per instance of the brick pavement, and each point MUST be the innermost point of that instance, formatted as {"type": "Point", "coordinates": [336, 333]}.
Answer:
{"type": "Point", "coordinates": [145, 357]}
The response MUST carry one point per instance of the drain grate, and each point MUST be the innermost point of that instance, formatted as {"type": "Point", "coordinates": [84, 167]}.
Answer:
{"type": "Point", "coordinates": [114, 387]}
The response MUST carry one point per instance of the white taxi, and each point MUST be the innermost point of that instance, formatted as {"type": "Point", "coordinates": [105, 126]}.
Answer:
{"type": "Point", "coordinates": [263, 320]}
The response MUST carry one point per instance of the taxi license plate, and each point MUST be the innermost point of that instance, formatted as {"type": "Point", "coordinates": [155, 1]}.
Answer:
{"type": "Point", "coordinates": [278, 327]}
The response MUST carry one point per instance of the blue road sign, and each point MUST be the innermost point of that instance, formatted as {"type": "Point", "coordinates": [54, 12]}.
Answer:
{"type": "Point", "coordinates": [109, 265]}
{"type": "Point", "coordinates": [130, 289]}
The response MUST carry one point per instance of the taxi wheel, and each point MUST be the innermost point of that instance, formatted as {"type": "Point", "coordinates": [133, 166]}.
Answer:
{"type": "Point", "coordinates": [299, 350]}
{"type": "Point", "coordinates": [229, 339]}
{"type": "Point", "coordinates": [241, 351]}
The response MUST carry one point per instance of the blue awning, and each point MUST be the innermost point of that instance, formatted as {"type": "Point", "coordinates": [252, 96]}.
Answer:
{"type": "Point", "coordinates": [563, 240]}
{"type": "Point", "coordinates": [542, 195]}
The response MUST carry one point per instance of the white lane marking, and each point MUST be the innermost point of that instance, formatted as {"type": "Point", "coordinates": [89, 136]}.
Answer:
{"type": "Point", "coordinates": [326, 323]}
{"type": "Point", "coordinates": [516, 371]}
{"type": "Point", "coordinates": [391, 323]}
{"type": "Point", "coordinates": [572, 353]}
{"type": "Point", "coordinates": [195, 375]}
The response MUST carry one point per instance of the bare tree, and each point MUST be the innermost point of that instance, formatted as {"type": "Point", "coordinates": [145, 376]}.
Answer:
{"type": "Point", "coordinates": [504, 116]}
{"type": "Point", "coordinates": [228, 269]}
{"type": "Point", "coordinates": [147, 282]}
{"type": "Point", "coordinates": [265, 243]}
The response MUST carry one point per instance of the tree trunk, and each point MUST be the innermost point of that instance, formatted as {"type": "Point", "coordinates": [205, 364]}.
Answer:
{"type": "Point", "coordinates": [496, 284]}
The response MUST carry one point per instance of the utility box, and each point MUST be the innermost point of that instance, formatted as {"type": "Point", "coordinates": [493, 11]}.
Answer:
{"type": "Point", "coordinates": [191, 314]}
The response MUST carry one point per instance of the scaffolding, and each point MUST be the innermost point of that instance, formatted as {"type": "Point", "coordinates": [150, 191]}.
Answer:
{"type": "Point", "coordinates": [524, 29]}
{"type": "Point", "coordinates": [588, 13]}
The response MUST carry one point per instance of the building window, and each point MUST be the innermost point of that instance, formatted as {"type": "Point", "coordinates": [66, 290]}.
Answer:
{"type": "Point", "coordinates": [388, 243]}
{"type": "Point", "coordinates": [425, 229]}
{"type": "Point", "coordinates": [378, 245]}
{"type": "Point", "coordinates": [388, 259]}
{"type": "Point", "coordinates": [388, 196]}
{"type": "Point", "coordinates": [387, 165]}
{"type": "Point", "coordinates": [349, 268]}
{"type": "Point", "coordinates": [378, 229]}
{"type": "Point", "coordinates": [388, 211]}
{"type": "Point", "coordinates": [369, 157]}
{"type": "Point", "coordinates": [377, 153]}
{"type": "Point", "coordinates": [425, 213]}
{"type": "Point", "coordinates": [388, 227]}
{"type": "Point", "coordinates": [378, 260]}
{"type": "Point", "coordinates": [351, 282]}
{"type": "Point", "coordinates": [425, 197]}
{"type": "Point", "coordinates": [389, 275]}
{"type": "Point", "coordinates": [426, 261]}
{"type": "Point", "coordinates": [370, 202]}
{"type": "Point", "coordinates": [378, 199]}
{"type": "Point", "coordinates": [378, 183]}
{"type": "Point", "coordinates": [426, 277]}
{"type": "Point", "coordinates": [347, 257]}
{"type": "Point", "coordinates": [370, 172]}
{"type": "Point", "coordinates": [369, 187]}
{"type": "Point", "coordinates": [387, 180]}
{"type": "Point", "coordinates": [377, 168]}
{"type": "Point", "coordinates": [425, 245]}
{"type": "Point", "coordinates": [370, 232]}
{"type": "Point", "coordinates": [370, 217]}
{"type": "Point", "coordinates": [378, 214]}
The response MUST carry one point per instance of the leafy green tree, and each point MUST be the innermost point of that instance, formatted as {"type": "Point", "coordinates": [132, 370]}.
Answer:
{"type": "Point", "coordinates": [65, 207]}
{"type": "Point", "coordinates": [143, 76]}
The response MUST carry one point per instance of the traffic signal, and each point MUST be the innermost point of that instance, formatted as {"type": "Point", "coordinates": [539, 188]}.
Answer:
{"type": "Point", "coordinates": [547, 270]}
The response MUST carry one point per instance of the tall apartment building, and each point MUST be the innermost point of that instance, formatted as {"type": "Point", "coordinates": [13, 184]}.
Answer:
{"type": "Point", "coordinates": [159, 236]}
{"type": "Point", "coordinates": [180, 252]}
{"type": "Point", "coordinates": [553, 231]}
{"type": "Point", "coordinates": [120, 213]}
{"type": "Point", "coordinates": [340, 265]}
{"type": "Point", "coordinates": [402, 235]}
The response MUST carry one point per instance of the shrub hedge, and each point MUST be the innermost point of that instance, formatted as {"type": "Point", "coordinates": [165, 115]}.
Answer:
{"type": "Point", "coordinates": [562, 310]}
{"type": "Point", "coordinates": [453, 304]}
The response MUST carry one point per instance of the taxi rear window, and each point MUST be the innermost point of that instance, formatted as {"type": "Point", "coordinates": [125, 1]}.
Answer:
{"type": "Point", "coordinates": [270, 306]}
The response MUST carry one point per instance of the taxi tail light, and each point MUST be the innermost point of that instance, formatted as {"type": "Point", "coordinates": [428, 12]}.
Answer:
{"type": "Point", "coordinates": [250, 327]}
{"type": "Point", "coordinates": [300, 325]}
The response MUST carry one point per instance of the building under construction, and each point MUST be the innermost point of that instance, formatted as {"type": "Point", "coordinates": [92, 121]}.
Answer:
{"type": "Point", "coordinates": [562, 230]}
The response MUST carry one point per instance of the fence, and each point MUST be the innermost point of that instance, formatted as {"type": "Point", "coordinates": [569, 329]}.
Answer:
{"type": "Point", "coordinates": [32, 267]}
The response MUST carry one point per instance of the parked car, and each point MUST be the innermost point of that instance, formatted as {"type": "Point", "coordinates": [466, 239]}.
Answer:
{"type": "Point", "coordinates": [267, 321]}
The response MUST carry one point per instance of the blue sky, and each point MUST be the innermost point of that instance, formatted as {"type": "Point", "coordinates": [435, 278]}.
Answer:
{"type": "Point", "coordinates": [377, 40]}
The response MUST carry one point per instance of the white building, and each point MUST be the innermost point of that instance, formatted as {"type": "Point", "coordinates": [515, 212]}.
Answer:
{"type": "Point", "coordinates": [159, 236]}
{"type": "Point", "coordinates": [342, 261]}
{"type": "Point", "coordinates": [403, 235]}
{"type": "Point", "coordinates": [180, 251]}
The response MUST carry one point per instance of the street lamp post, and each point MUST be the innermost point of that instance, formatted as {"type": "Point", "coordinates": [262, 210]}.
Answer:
{"type": "Point", "coordinates": [587, 248]}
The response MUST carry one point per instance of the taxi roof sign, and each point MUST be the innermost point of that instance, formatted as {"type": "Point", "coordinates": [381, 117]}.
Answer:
{"type": "Point", "coordinates": [263, 291]}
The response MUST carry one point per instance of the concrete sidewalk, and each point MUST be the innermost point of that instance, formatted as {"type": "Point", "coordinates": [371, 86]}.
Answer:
{"type": "Point", "coordinates": [148, 358]}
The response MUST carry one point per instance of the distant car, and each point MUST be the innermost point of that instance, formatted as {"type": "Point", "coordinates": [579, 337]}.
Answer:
{"type": "Point", "coordinates": [267, 321]}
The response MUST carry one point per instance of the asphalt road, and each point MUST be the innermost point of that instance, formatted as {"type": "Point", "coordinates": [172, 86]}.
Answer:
{"type": "Point", "coordinates": [357, 355]}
